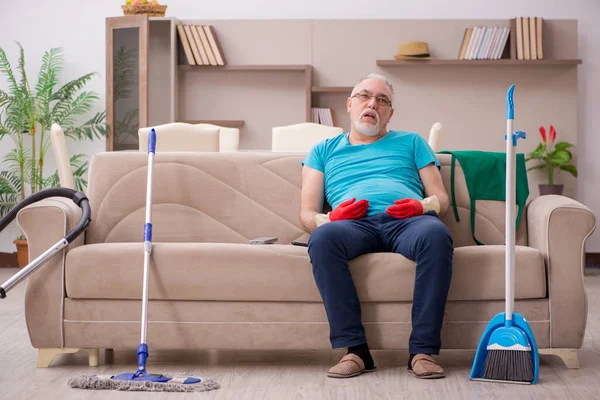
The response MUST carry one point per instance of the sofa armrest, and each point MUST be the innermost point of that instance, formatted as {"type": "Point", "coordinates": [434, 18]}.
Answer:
{"type": "Point", "coordinates": [45, 223]}
{"type": "Point", "coordinates": [559, 226]}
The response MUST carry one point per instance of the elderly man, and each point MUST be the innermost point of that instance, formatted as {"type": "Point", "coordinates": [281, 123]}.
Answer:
{"type": "Point", "coordinates": [386, 193]}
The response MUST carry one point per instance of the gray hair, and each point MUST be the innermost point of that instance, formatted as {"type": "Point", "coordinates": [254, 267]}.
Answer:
{"type": "Point", "coordinates": [374, 75]}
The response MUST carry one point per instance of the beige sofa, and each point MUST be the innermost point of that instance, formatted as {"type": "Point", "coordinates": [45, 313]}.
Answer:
{"type": "Point", "coordinates": [211, 289]}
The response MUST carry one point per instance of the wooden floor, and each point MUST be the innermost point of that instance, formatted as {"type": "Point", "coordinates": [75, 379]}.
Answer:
{"type": "Point", "coordinates": [286, 375]}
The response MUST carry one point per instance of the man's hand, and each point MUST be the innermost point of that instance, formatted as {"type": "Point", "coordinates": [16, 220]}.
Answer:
{"type": "Point", "coordinates": [405, 208]}
{"type": "Point", "coordinates": [350, 210]}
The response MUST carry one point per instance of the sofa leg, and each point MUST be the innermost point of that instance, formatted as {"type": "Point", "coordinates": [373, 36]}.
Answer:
{"type": "Point", "coordinates": [93, 356]}
{"type": "Point", "coordinates": [568, 356]}
{"type": "Point", "coordinates": [45, 356]}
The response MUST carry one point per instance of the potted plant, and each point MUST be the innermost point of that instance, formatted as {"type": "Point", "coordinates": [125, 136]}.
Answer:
{"type": "Point", "coordinates": [550, 156]}
{"type": "Point", "coordinates": [26, 115]}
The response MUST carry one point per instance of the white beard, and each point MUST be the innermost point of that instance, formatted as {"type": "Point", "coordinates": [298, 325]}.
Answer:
{"type": "Point", "coordinates": [367, 129]}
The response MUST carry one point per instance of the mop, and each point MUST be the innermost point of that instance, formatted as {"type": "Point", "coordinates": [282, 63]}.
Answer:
{"type": "Point", "coordinates": [507, 351]}
{"type": "Point", "coordinates": [141, 380]}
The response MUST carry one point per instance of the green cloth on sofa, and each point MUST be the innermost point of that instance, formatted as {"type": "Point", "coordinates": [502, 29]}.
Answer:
{"type": "Point", "coordinates": [485, 176]}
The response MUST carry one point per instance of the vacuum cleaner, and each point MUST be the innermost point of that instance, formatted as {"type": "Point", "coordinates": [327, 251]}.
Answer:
{"type": "Point", "coordinates": [141, 379]}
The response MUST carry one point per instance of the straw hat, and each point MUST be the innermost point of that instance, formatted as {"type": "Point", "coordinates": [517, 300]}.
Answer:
{"type": "Point", "coordinates": [413, 51]}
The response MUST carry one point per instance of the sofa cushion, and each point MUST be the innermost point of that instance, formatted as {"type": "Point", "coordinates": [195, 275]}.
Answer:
{"type": "Point", "coordinates": [244, 272]}
{"type": "Point", "coordinates": [236, 196]}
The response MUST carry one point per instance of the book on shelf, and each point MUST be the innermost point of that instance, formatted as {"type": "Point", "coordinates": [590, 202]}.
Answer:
{"type": "Point", "coordinates": [187, 49]}
{"type": "Point", "coordinates": [322, 116]}
{"type": "Point", "coordinates": [538, 37]}
{"type": "Point", "coordinates": [525, 38]}
{"type": "Point", "coordinates": [201, 45]}
{"type": "Point", "coordinates": [528, 38]}
{"type": "Point", "coordinates": [203, 41]}
{"type": "Point", "coordinates": [483, 43]}
{"type": "Point", "coordinates": [215, 45]}
{"type": "Point", "coordinates": [490, 42]}
{"type": "Point", "coordinates": [199, 49]}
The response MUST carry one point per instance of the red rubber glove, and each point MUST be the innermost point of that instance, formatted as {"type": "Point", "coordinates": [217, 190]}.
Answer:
{"type": "Point", "coordinates": [405, 208]}
{"type": "Point", "coordinates": [349, 210]}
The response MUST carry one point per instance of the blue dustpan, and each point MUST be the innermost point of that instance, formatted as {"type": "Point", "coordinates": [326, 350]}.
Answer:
{"type": "Point", "coordinates": [498, 335]}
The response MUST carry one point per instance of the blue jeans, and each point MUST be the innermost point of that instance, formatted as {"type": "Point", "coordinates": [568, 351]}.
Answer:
{"type": "Point", "coordinates": [424, 239]}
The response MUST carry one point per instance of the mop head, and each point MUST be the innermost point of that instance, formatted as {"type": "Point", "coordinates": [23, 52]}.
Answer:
{"type": "Point", "coordinates": [106, 382]}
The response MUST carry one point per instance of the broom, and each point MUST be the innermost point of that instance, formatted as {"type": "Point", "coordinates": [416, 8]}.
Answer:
{"type": "Point", "coordinates": [141, 380]}
{"type": "Point", "coordinates": [507, 351]}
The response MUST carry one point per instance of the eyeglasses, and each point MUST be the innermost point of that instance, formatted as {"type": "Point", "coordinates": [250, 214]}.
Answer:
{"type": "Point", "coordinates": [366, 96]}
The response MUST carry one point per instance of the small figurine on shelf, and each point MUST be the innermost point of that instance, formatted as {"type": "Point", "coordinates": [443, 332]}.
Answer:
{"type": "Point", "coordinates": [137, 7]}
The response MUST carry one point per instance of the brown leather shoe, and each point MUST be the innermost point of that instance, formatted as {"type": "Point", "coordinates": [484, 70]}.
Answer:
{"type": "Point", "coordinates": [425, 367]}
{"type": "Point", "coordinates": [350, 365]}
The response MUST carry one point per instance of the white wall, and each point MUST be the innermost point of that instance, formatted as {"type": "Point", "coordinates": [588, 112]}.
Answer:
{"type": "Point", "coordinates": [79, 27]}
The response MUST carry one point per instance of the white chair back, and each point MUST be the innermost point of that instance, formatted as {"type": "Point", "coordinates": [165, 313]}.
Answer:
{"type": "Point", "coordinates": [182, 137]}
{"type": "Point", "coordinates": [229, 138]}
{"type": "Point", "coordinates": [301, 137]}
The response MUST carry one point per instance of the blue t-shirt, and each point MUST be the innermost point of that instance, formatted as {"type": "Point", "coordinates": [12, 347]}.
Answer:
{"type": "Point", "coordinates": [381, 172]}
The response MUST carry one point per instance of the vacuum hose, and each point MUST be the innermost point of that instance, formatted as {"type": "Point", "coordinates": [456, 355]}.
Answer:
{"type": "Point", "coordinates": [78, 198]}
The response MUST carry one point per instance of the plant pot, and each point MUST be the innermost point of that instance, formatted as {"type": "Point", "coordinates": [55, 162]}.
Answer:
{"type": "Point", "coordinates": [22, 252]}
{"type": "Point", "coordinates": [551, 189]}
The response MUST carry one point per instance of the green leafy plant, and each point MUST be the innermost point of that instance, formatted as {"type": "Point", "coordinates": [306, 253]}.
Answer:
{"type": "Point", "coordinates": [551, 155]}
{"type": "Point", "coordinates": [26, 115]}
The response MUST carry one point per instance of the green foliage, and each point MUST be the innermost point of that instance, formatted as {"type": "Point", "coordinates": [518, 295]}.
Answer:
{"type": "Point", "coordinates": [551, 156]}
{"type": "Point", "coordinates": [26, 115]}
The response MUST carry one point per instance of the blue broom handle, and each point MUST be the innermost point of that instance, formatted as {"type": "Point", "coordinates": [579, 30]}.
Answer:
{"type": "Point", "coordinates": [510, 208]}
{"type": "Point", "coordinates": [510, 228]}
{"type": "Point", "coordinates": [510, 224]}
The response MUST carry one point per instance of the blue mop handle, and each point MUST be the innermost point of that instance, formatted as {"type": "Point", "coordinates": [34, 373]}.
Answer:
{"type": "Point", "coordinates": [143, 347]}
{"type": "Point", "coordinates": [152, 141]}
{"type": "Point", "coordinates": [142, 355]}
{"type": "Point", "coordinates": [151, 153]}
{"type": "Point", "coordinates": [148, 224]}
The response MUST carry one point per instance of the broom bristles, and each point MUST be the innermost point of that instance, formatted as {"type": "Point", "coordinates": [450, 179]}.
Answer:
{"type": "Point", "coordinates": [509, 365]}
{"type": "Point", "coordinates": [96, 383]}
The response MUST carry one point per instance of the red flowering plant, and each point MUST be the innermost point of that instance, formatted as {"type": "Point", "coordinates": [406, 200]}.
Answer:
{"type": "Point", "coordinates": [551, 155]}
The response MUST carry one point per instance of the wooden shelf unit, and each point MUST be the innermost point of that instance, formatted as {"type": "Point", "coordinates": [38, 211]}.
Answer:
{"type": "Point", "coordinates": [507, 62]}
{"type": "Point", "coordinates": [249, 67]}
{"type": "Point", "coordinates": [279, 84]}
{"type": "Point", "coordinates": [304, 68]}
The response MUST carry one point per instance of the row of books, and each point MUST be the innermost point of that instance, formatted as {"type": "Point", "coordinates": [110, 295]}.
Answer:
{"type": "Point", "coordinates": [322, 116]}
{"type": "Point", "coordinates": [483, 43]}
{"type": "Point", "coordinates": [529, 38]}
{"type": "Point", "coordinates": [200, 45]}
